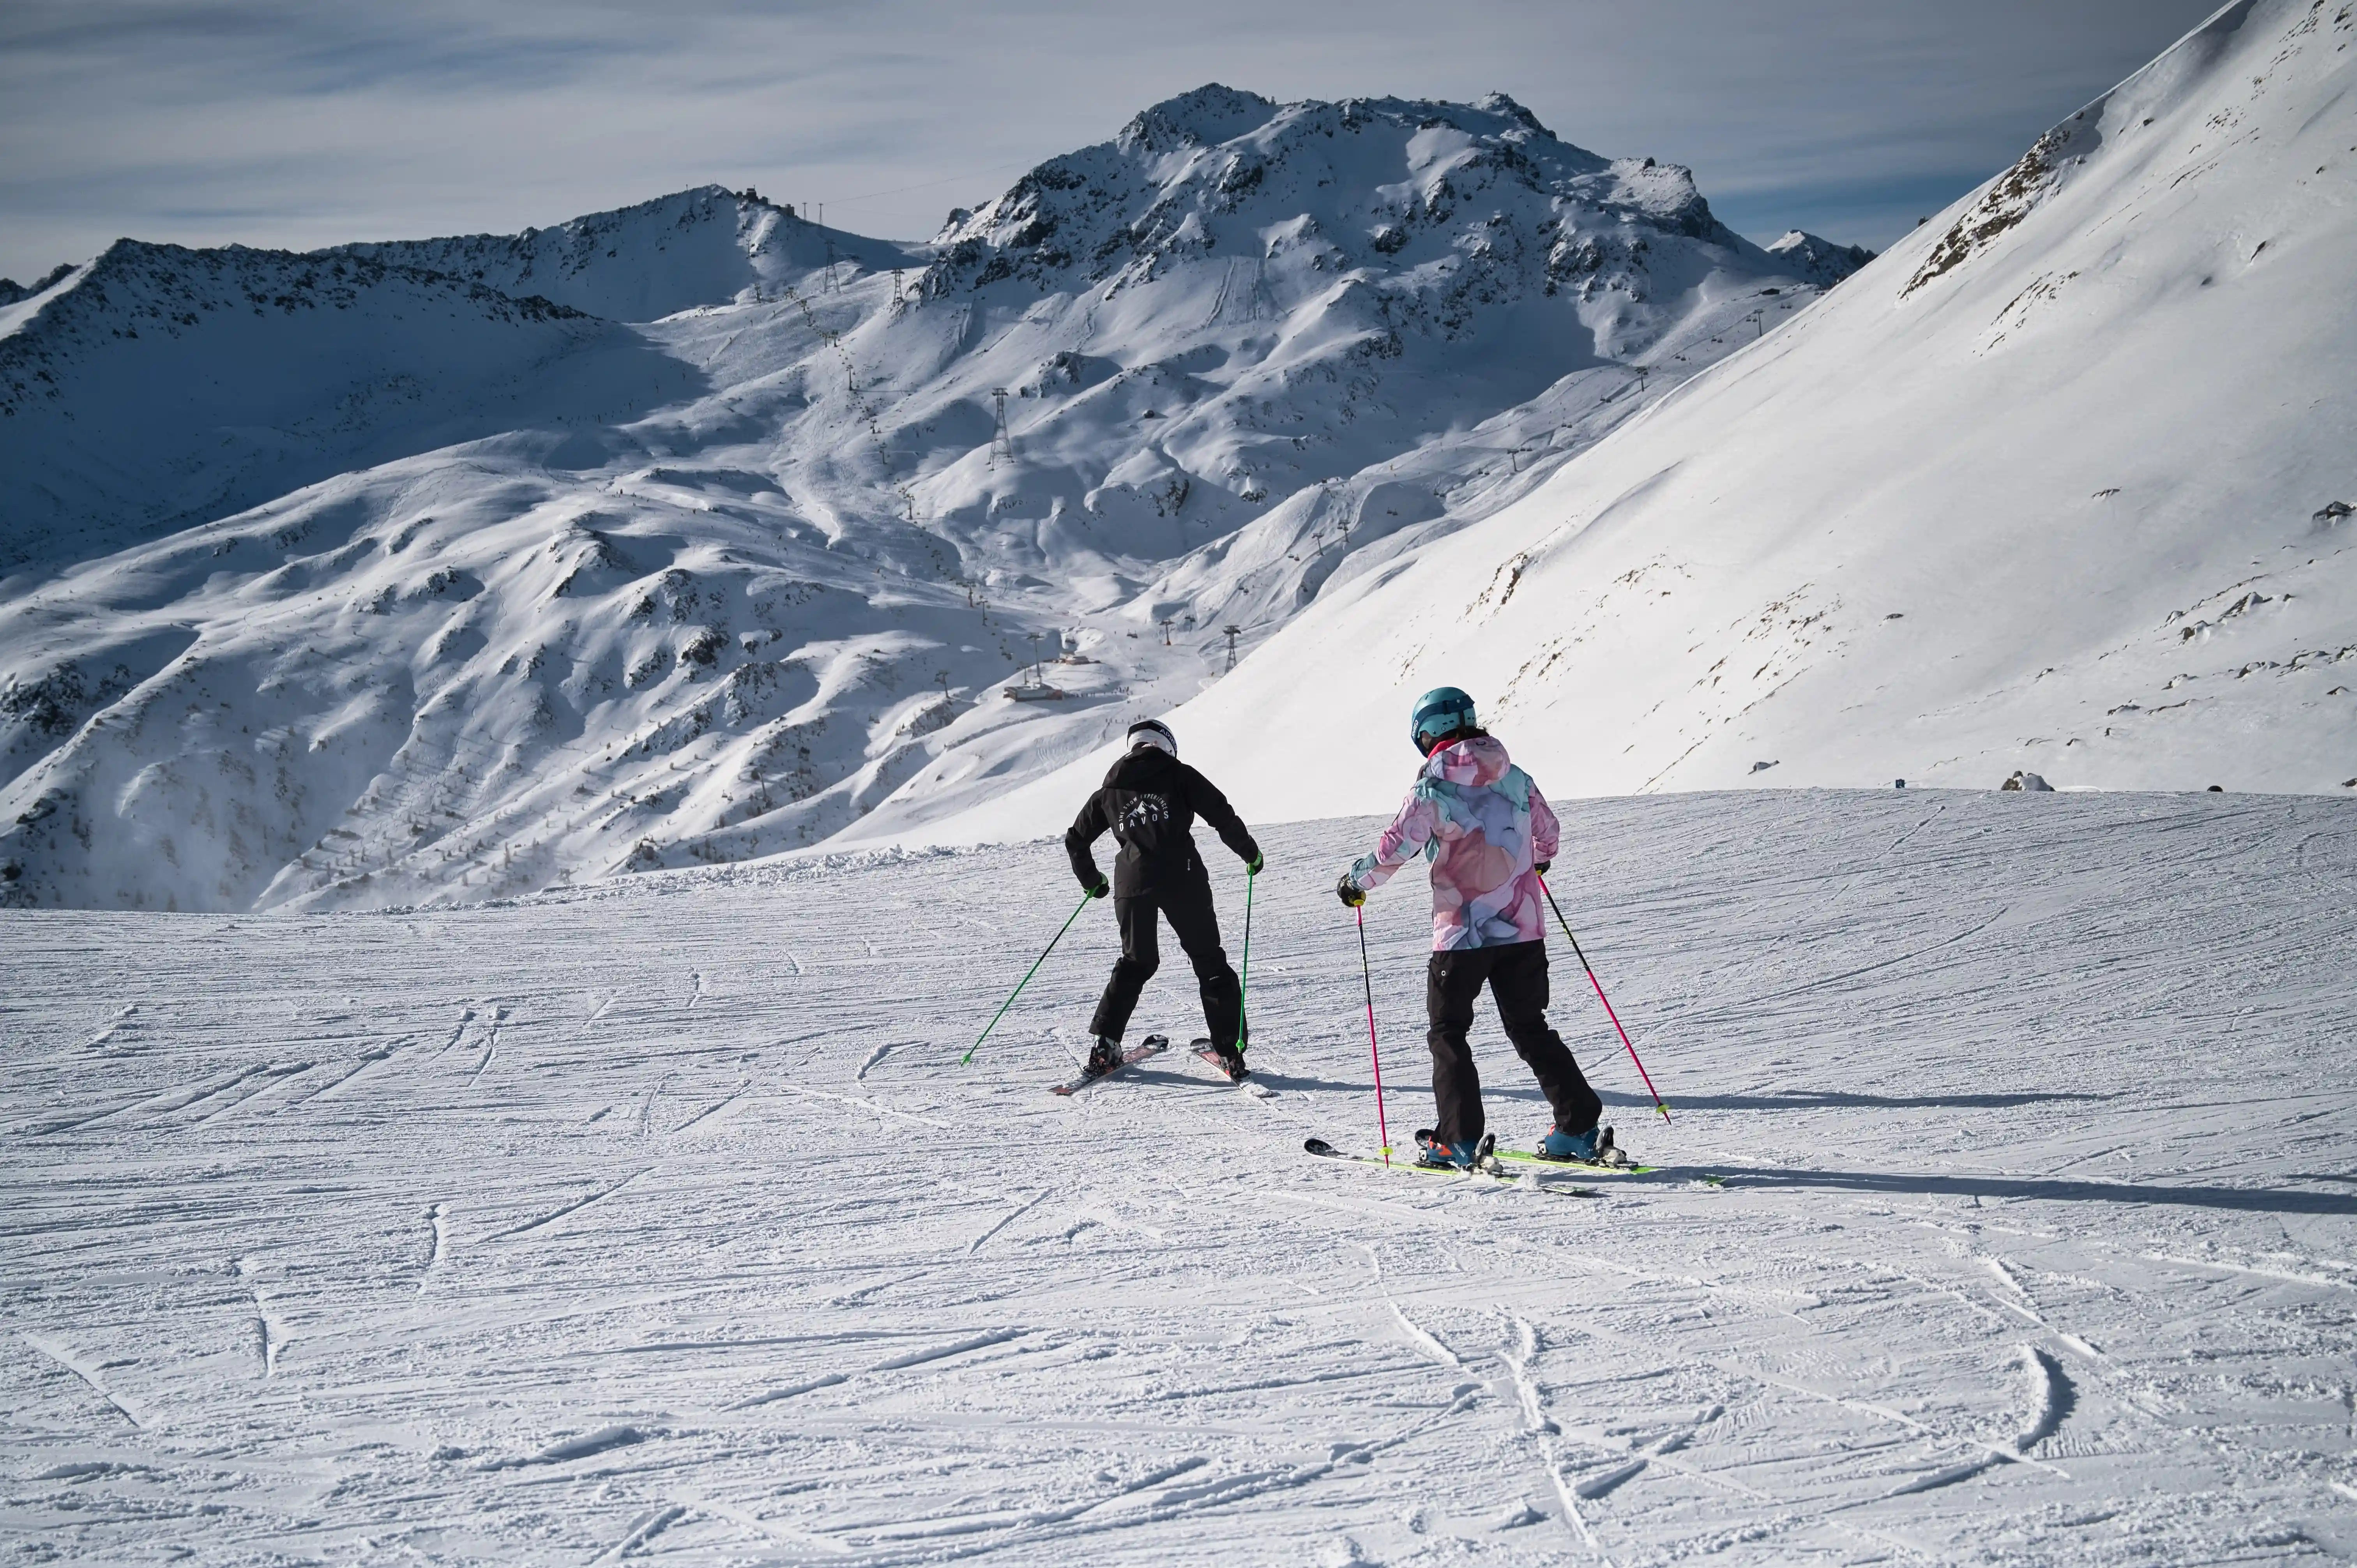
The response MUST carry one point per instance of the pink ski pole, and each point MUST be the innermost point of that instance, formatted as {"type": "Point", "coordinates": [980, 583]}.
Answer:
{"type": "Point", "coordinates": [1383, 1128]}
{"type": "Point", "coordinates": [1606, 1000]}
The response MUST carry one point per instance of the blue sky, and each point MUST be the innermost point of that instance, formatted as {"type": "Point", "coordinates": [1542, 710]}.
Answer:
{"type": "Point", "coordinates": [304, 123]}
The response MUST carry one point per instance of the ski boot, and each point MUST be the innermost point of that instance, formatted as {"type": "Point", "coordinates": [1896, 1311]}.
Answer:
{"type": "Point", "coordinates": [1104, 1057]}
{"type": "Point", "coordinates": [1593, 1147]}
{"type": "Point", "coordinates": [1231, 1061]}
{"type": "Point", "coordinates": [1439, 1154]}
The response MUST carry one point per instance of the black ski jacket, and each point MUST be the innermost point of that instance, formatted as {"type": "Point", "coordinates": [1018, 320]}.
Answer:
{"type": "Point", "coordinates": [1150, 801]}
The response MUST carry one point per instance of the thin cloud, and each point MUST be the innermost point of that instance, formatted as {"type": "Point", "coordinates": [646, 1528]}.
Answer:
{"type": "Point", "coordinates": [275, 123]}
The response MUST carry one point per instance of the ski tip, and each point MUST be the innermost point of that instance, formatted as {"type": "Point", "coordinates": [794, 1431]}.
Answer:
{"type": "Point", "coordinates": [1319, 1146]}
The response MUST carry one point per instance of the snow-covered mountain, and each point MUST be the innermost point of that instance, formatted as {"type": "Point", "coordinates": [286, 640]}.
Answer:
{"type": "Point", "coordinates": [698, 247]}
{"type": "Point", "coordinates": [11, 291]}
{"type": "Point", "coordinates": [1819, 261]}
{"type": "Point", "coordinates": [2061, 483]}
{"type": "Point", "coordinates": [159, 386]}
{"type": "Point", "coordinates": [486, 590]}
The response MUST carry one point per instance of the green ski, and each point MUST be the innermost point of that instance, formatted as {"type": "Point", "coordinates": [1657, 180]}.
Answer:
{"type": "Point", "coordinates": [1486, 1169]}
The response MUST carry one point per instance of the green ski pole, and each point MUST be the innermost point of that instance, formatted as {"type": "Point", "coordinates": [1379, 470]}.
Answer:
{"type": "Point", "coordinates": [1244, 986]}
{"type": "Point", "coordinates": [1023, 981]}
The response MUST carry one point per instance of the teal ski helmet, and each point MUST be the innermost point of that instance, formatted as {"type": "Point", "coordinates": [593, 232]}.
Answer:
{"type": "Point", "coordinates": [1443, 711]}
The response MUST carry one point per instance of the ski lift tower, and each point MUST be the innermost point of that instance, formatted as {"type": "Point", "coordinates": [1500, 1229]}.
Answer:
{"type": "Point", "coordinates": [1002, 445]}
{"type": "Point", "coordinates": [1232, 633]}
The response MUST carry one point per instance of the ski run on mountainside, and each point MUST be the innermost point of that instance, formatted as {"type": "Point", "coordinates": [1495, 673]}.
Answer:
{"type": "Point", "coordinates": [2004, 1216]}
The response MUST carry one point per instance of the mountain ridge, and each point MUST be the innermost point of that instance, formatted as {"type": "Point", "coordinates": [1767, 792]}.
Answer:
{"type": "Point", "coordinates": [779, 562]}
{"type": "Point", "coordinates": [157, 386]}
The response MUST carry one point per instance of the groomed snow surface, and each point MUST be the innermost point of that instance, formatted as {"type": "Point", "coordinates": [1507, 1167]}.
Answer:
{"type": "Point", "coordinates": [660, 1221]}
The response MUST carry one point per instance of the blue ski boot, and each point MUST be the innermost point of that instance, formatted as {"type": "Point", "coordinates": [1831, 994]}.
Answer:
{"type": "Point", "coordinates": [1593, 1147]}
{"type": "Point", "coordinates": [1439, 1154]}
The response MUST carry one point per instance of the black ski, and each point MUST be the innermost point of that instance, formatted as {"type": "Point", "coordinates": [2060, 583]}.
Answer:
{"type": "Point", "coordinates": [1201, 1046]}
{"type": "Point", "coordinates": [1152, 1046]}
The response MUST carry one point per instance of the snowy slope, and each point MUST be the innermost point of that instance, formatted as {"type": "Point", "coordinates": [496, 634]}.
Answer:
{"type": "Point", "coordinates": [159, 386]}
{"type": "Point", "coordinates": [12, 292]}
{"type": "Point", "coordinates": [776, 587]}
{"type": "Point", "coordinates": [661, 1223]}
{"type": "Point", "coordinates": [2061, 483]}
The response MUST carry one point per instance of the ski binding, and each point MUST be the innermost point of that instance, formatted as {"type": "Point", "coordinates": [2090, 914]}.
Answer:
{"type": "Point", "coordinates": [1485, 1168]}
{"type": "Point", "coordinates": [1152, 1046]}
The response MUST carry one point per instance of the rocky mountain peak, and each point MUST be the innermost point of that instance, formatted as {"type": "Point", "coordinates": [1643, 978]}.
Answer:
{"type": "Point", "coordinates": [1206, 116]}
{"type": "Point", "coordinates": [1817, 260]}
{"type": "Point", "coordinates": [1375, 188]}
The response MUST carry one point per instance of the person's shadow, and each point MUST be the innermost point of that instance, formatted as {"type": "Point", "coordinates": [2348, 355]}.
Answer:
{"type": "Point", "coordinates": [1294, 1083]}
{"type": "Point", "coordinates": [2245, 1199]}
{"type": "Point", "coordinates": [1828, 1098]}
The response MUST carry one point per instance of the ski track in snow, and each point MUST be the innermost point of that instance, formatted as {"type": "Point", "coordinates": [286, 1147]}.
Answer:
{"type": "Point", "coordinates": [438, 1222]}
{"type": "Point", "coordinates": [73, 1363]}
{"type": "Point", "coordinates": [2034, 1243]}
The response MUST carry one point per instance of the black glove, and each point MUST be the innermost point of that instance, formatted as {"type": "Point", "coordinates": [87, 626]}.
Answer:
{"type": "Point", "coordinates": [1098, 888]}
{"type": "Point", "coordinates": [1349, 892]}
{"type": "Point", "coordinates": [1542, 867]}
{"type": "Point", "coordinates": [1252, 866]}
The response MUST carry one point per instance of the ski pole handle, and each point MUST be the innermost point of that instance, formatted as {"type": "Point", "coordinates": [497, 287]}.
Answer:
{"type": "Point", "coordinates": [1642, 1073]}
{"type": "Point", "coordinates": [1025, 980]}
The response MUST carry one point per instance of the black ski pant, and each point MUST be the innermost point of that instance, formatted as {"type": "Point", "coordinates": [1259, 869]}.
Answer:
{"type": "Point", "coordinates": [1187, 907]}
{"type": "Point", "coordinates": [1517, 977]}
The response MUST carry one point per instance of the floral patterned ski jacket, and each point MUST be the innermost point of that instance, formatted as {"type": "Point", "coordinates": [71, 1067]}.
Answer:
{"type": "Point", "coordinates": [1483, 825]}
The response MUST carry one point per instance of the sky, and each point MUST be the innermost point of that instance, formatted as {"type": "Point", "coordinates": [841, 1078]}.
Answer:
{"type": "Point", "coordinates": [307, 123]}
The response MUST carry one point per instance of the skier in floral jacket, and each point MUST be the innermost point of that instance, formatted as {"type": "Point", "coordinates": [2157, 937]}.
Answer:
{"type": "Point", "coordinates": [1489, 834]}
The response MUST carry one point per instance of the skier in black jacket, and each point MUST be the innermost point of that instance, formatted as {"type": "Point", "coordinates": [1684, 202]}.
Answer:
{"type": "Point", "coordinates": [1150, 801]}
